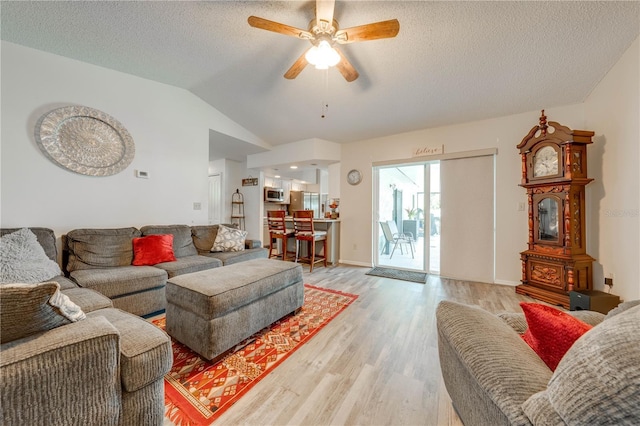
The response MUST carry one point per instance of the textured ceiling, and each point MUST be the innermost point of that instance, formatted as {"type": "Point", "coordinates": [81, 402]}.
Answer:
{"type": "Point", "coordinates": [452, 62]}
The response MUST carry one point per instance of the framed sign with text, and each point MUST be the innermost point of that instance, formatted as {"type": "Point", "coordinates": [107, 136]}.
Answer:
{"type": "Point", "coordinates": [250, 181]}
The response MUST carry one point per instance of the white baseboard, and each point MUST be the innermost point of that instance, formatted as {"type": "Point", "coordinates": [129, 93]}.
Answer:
{"type": "Point", "coordinates": [506, 282]}
{"type": "Point", "coordinates": [355, 263]}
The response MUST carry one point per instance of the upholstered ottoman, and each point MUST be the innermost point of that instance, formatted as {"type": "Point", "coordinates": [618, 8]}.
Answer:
{"type": "Point", "coordinates": [211, 311]}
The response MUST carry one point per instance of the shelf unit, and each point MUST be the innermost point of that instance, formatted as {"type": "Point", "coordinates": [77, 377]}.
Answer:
{"type": "Point", "coordinates": [237, 209]}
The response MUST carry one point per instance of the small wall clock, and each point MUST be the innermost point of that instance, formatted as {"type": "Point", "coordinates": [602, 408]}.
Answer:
{"type": "Point", "coordinates": [354, 177]}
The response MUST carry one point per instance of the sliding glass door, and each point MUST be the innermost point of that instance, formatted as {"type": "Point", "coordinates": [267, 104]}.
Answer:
{"type": "Point", "coordinates": [448, 229]}
{"type": "Point", "coordinates": [407, 229]}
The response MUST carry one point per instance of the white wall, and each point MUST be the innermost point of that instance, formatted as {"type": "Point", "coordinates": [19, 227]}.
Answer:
{"type": "Point", "coordinates": [334, 180]}
{"type": "Point", "coordinates": [613, 112]}
{"type": "Point", "coordinates": [503, 133]}
{"type": "Point", "coordinates": [170, 128]}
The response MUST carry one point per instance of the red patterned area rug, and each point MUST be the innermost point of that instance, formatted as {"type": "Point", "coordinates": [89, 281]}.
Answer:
{"type": "Point", "coordinates": [197, 392]}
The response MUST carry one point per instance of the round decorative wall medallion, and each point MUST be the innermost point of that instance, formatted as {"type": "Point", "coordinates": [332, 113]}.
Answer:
{"type": "Point", "coordinates": [85, 140]}
{"type": "Point", "coordinates": [354, 177]}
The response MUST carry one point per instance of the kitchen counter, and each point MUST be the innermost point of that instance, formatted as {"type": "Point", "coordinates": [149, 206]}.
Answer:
{"type": "Point", "coordinates": [331, 226]}
{"type": "Point", "coordinates": [315, 219]}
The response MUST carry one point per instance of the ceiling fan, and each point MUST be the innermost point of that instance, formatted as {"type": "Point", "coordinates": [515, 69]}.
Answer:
{"type": "Point", "coordinates": [324, 34]}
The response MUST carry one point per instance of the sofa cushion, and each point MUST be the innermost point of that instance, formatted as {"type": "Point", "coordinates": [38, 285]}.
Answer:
{"type": "Point", "coordinates": [23, 260]}
{"type": "Point", "coordinates": [88, 300]}
{"type": "Point", "coordinates": [203, 237]}
{"type": "Point", "coordinates": [145, 350]}
{"type": "Point", "coordinates": [64, 282]}
{"type": "Point", "coordinates": [551, 332]}
{"type": "Point", "coordinates": [27, 309]}
{"type": "Point", "coordinates": [231, 257]}
{"type": "Point", "coordinates": [100, 248]}
{"type": "Point", "coordinates": [153, 249]}
{"type": "Point", "coordinates": [229, 239]}
{"type": "Point", "coordinates": [114, 282]}
{"type": "Point", "coordinates": [182, 242]}
{"type": "Point", "coordinates": [188, 264]}
{"type": "Point", "coordinates": [598, 380]}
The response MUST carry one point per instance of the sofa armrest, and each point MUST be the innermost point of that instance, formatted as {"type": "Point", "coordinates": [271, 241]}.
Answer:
{"type": "Point", "coordinates": [488, 370]}
{"type": "Point", "coordinates": [249, 244]}
{"type": "Point", "coordinates": [70, 369]}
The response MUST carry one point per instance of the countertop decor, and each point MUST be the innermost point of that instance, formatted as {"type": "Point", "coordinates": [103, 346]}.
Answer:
{"type": "Point", "coordinates": [85, 141]}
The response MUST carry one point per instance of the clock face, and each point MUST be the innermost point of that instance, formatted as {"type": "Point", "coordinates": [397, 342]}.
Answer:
{"type": "Point", "coordinates": [545, 163]}
{"type": "Point", "coordinates": [354, 177]}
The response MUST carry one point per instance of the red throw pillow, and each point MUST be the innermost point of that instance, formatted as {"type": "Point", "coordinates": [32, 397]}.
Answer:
{"type": "Point", "coordinates": [153, 249]}
{"type": "Point", "coordinates": [551, 332]}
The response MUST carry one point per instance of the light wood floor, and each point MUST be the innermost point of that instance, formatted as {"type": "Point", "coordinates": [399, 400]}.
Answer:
{"type": "Point", "coordinates": [375, 364]}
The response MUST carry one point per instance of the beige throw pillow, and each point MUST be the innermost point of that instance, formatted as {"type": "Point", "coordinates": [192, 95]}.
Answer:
{"type": "Point", "coordinates": [229, 239]}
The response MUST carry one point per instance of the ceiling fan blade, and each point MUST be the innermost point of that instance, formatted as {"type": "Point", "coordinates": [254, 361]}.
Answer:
{"type": "Point", "coordinates": [276, 27]}
{"type": "Point", "coordinates": [346, 69]}
{"type": "Point", "coordinates": [377, 30]}
{"type": "Point", "coordinates": [297, 67]}
{"type": "Point", "coordinates": [324, 13]}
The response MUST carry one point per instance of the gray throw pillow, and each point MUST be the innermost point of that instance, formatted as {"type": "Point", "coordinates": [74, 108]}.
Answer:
{"type": "Point", "coordinates": [598, 379]}
{"type": "Point", "coordinates": [27, 309]}
{"type": "Point", "coordinates": [23, 260]}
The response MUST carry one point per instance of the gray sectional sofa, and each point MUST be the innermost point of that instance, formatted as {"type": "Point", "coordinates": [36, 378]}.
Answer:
{"type": "Point", "coordinates": [101, 259]}
{"type": "Point", "coordinates": [495, 378]}
{"type": "Point", "coordinates": [105, 369]}
{"type": "Point", "coordinates": [108, 368]}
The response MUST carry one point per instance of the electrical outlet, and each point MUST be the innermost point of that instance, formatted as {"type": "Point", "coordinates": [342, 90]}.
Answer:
{"type": "Point", "coordinates": [355, 246]}
{"type": "Point", "coordinates": [608, 281]}
{"type": "Point", "coordinates": [197, 206]}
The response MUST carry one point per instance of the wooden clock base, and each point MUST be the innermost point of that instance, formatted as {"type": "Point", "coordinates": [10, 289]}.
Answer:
{"type": "Point", "coordinates": [557, 299]}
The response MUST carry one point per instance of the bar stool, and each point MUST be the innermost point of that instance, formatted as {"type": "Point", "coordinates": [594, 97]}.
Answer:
{"type": "Point", "coordinates": [278, 229]}
{"type": "Point", "coordinates": [303, 226]}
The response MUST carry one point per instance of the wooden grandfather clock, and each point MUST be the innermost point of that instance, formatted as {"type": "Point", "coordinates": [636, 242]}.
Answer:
{"type": "Point", "coordinates": [554, 173]}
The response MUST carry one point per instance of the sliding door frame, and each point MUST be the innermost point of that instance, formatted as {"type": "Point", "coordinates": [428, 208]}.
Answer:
{"type": "Point", "coordinates": [426, 207]}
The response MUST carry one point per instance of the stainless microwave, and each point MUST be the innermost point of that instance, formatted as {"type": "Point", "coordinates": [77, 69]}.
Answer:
{"type": "Point", "coordinates": [274, 195]}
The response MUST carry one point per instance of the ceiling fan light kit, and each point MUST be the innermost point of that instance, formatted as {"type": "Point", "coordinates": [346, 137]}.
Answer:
{"type": "Point", "coordinates": [322, 56]}
{"type": "Point", "coordinates": [324, 34]}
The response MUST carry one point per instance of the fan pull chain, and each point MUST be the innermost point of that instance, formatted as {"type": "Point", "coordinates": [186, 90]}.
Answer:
{"type": "Point", "coordinates": [325, 104]}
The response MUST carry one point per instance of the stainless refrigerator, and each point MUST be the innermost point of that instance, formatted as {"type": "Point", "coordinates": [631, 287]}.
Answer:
{"type": "Point", "coordinates": [302, 200]}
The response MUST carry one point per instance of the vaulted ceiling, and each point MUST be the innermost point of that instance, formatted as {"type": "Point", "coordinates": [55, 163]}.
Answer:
{"type": "Point", "coordinates": [451, 62]}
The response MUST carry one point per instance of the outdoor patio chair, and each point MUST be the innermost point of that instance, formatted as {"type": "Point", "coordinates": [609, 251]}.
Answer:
{"type": "Point", "coordinates": [393, 236]}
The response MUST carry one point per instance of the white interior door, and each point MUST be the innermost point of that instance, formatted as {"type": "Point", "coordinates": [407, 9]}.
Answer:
{"type": "Point", "coordinates": [215, 199]}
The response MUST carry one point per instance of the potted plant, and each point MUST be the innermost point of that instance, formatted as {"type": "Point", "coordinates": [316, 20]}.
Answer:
{"type": "Point", "coordinates": [413, 213]}
{"type": "Point", "coordinates": [410, 226]}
